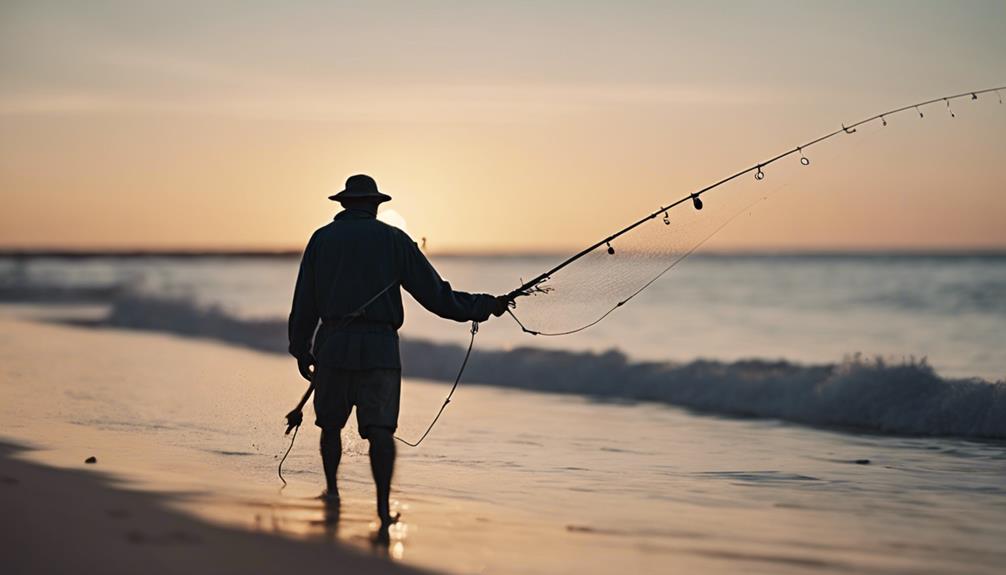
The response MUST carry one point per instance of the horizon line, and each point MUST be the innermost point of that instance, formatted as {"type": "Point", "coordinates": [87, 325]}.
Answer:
{"type": "Point", "coordinates": [282, 253]}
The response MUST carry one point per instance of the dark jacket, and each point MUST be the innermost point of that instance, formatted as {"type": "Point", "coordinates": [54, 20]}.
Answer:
{"type": "Point", "coordinates": [348, 262]}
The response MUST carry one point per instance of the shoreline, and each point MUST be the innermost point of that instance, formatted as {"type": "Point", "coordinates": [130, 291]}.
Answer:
{"type": "Point", "coordinates": [79, 520]}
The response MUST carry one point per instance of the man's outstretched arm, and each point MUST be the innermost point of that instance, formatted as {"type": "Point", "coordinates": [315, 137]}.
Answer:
{"type": "Point", "coordinates": [436, 295]}
{"type": "Point", "coordinates": [304, 312]}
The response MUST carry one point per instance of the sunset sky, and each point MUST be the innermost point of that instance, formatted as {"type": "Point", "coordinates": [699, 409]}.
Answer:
{"type": "Point", "coordinates": [495, 125]}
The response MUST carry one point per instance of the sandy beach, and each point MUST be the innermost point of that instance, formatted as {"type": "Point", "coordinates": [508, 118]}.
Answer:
{"type": "Point", "coordinates": [83, 521]}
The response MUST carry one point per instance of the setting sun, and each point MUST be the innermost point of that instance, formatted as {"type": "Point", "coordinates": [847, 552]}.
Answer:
{"type": "Point", "coordinates": [393, 218]}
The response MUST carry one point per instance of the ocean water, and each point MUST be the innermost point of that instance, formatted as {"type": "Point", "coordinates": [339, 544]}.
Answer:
{"type": "Point", "coordinates": [950, 310]}
{"type": "Point", "coordinates": [570, 457]}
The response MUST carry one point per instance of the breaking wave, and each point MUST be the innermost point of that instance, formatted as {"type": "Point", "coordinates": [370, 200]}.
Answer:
{"type": "Point", "coordinates": [873, 395]}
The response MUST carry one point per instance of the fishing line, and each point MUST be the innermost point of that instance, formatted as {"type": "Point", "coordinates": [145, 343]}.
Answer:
{"type": "Point", "coordinates": [557, 298]}
{"type": "Point", "coordinates": [457, 379]}
{"type": "Point", "coordinates": [279, 470]}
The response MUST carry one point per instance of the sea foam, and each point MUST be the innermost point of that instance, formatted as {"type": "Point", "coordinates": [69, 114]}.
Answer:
{"type": "Point", "coordinates": [905, 397]}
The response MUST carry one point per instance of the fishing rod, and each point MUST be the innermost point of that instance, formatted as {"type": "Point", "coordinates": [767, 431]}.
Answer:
{"type": "Point", "coordinates": [535, 286]}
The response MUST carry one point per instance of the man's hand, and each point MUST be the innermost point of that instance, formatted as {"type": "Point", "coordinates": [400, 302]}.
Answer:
{"type": "Point", "coordinates": [502, 303]}
{"type": "Point", "coordinates": [306, 365]}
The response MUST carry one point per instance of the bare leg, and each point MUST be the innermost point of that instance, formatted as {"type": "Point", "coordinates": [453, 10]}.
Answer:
{"type": "Point", "coordinates": [331, 455]}
{"type": "Point", "coordinates": [382, 464]}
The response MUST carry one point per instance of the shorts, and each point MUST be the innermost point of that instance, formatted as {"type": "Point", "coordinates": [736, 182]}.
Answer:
{"type": "Point", "coordinates": [374, 392]}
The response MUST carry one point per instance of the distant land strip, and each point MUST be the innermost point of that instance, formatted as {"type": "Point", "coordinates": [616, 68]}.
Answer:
{"type": "Point", "coordinates": [80, 254]}
{"type": "Point", "coordinates": [139, 254]}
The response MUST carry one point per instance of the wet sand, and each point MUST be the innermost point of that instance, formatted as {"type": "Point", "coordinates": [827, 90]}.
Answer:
{"type": "Point", "coordinates": [79, 521]}
{"type": "Point", "coordinates": [510, 481]}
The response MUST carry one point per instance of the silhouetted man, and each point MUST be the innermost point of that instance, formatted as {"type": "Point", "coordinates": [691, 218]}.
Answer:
{"type": "Point", "coordinates": [349, 280]}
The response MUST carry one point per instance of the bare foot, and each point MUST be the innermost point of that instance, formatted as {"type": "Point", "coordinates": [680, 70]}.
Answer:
{"type": "Point", "coordinates": [383, 535]}
{"type": "Point", "coordinates": [330, 497]}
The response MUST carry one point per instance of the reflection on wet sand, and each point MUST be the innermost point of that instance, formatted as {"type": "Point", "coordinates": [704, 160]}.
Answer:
{"type": "Point", "coordinates": [315, 519]}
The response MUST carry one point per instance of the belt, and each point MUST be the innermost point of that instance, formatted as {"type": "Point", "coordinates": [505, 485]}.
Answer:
{"type": "Point", "coordinates": [356, 324]}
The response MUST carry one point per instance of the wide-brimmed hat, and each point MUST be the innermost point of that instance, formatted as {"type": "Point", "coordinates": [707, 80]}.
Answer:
{"type": "Point", "coordinates": [360, 186]}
